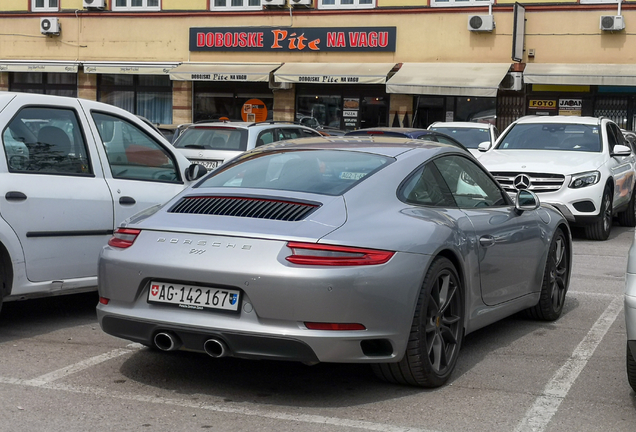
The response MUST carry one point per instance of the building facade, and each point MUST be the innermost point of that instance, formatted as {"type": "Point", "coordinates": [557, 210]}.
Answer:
{"type": "Point", "coordinates": [341, 63]}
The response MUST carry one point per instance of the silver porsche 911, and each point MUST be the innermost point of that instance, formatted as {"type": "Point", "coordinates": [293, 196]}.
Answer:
{"type": "Point", "coordinates": [373, 250]}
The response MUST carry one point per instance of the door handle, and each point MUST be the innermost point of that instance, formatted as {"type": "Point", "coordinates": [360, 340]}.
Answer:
{"type": "Point", "coordinates": [487, 241]}
{"type": "Point", "coordinates": [15, 196]}
{"type": "Point", "coordinates": [126, 200]}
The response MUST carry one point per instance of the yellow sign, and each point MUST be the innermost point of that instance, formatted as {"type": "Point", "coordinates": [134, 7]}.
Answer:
{"type": "Point", "coordinates": [542, 104]}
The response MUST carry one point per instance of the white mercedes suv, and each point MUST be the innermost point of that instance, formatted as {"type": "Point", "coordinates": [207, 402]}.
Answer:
{"type": "Point", "coordinates": [581, 165]}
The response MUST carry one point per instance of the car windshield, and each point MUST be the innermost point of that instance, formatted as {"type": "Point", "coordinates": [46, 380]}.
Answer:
{"type": "Point", "coordinates": [470, 137]}
{"type": "Point", "coordinates": [552, 136]}
{"type": "Point", "coordinates": [327, 172]}
{"type": "Point", "coordinates": [213, 138]}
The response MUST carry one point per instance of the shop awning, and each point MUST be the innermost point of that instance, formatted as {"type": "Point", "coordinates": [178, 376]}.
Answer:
{"type": "Point", "coordinates": [580, 74]}
{"type": "Point", "coordinates": [129, 68]}
{"type": "Point", "coordinates": [333, 73]}
{"type": "Point", "coordinates": [38, 66]}
{"type": "Point", "coordinates": [253, 72]}
{"type": "Point", "coordinates": [452, 79]}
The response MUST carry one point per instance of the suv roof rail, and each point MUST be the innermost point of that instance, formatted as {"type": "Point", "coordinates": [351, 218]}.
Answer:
{"type": "Point", "coordinates": [274, 122]}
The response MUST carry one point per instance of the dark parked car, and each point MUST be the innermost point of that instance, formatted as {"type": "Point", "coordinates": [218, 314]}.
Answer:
{"type": "Point", "coordinates": [408, 133]}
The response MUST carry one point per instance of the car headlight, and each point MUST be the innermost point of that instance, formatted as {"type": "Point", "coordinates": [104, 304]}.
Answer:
{"type": "Point", "coordinates": [585, 179]}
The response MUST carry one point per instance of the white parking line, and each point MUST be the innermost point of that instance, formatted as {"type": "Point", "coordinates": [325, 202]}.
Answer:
{"type": "Point", "coordinates": [546, 405]}
{"type": "Point", "coordinates": [80, 366]}
{"type": "Point", "coordinates": [227, 408]}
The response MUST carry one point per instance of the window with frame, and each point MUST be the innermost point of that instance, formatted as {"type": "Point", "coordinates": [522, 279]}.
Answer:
{"type": "Point", "coordinates": [132, 5]}
{"type": "Point", "coordinates": [235, 5]}
{"type": "Point", "coordinates": [51, 83]}
{"type": "Point", "coordinates": [46, 140]}
{"type": "Point", "coordinates": [470, 186]}
{"type": "Point", "coordinates": [346, 4]}
{"type": "Point", "coordinates": [459, 3]}
{"type": "Point", "coordinates": [45, 5]}
{"type": "Point", "coordinates": [132, 153]}
{"type": "Point", "coordinates": [149, 96]}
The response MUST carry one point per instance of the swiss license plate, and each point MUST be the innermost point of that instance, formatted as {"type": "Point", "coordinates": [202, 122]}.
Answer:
{"type": "Point", "coordinates": [194, 297]}
{"type": "Point", "coordinates": [208, 164]}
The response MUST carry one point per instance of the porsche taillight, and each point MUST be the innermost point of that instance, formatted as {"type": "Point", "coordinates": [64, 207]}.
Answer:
{"type": "Point", "coordinates": [328, 255]}
{"type": "Point", "coordinates": [123, 238]}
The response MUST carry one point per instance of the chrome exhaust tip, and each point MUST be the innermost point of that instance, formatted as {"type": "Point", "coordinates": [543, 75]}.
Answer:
{"type": "Point", "coordinates": [215, 348]}
{"type": "Point", "coordinates": [167, 341]}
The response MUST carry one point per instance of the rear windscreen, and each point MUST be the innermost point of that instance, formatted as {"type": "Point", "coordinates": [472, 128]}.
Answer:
{"type": "Point", "coordinates": [213, 138]}
{"type": "Point", "coordinates": [328, 172]}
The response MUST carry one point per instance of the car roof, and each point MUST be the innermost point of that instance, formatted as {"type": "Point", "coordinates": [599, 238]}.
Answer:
{"type": "Point", "coordinates": [388, 129]}
{"type": "Point", "coordinates": [560, 119]}
{"type": "Point", "coordinates": [382, 145]}
{"type": "Point", "coordinates": [246, 125]}
{"type": "Point", "coordinates": [468, 125]}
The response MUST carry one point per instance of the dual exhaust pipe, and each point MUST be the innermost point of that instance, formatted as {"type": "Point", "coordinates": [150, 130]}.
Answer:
{"type": "Point", "coordinates": [167, 341]}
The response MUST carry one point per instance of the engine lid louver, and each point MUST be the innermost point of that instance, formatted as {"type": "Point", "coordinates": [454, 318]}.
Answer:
{"type": "Point", "coordinates": [249, 207]}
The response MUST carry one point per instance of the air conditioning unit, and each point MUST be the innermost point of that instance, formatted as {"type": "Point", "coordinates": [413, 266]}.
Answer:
{"type": "Point", "coordinates": [274, 2]}
{"type": "Point", "coordinates": [300, 2]}
{"type": "Point", "coordinates": [50, 26]}
{"type": "Point", "coordinates": [612, 22]}
{"type": "Point", "coordinates": [94, 4]}
{"type": "Point", "coordinates": [512, 81]}
{"type": "Point", "coordinates": [278, 85]}
{"type": "Point", "coordinates": [485, 23]}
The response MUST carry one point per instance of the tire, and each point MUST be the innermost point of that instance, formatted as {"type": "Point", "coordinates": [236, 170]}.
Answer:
{"type": "Point", "coordinates": [600, 229]}
{"type": "Point", "coordinates": [555, 280]}
{"type": "Point", "coordinates": [627, 218]}
{"type": "Point", "coordinates": [631, 369]}
{"type": "Point", "coordinates": [437, 331]}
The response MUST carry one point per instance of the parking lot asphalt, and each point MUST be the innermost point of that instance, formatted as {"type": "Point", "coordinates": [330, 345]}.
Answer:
{"type": "Point", "coordinates": [60, 372]}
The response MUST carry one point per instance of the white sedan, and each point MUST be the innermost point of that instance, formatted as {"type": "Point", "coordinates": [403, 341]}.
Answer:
{"type": "Point", "coordinates": [71, 171]}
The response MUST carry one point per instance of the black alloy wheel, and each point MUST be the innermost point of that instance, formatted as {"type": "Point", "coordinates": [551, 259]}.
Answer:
{"type": "Point", "coordinates": [600, 230]}
{"type": "Point", "coordinates": [555, 280]}
{"type": "Point", "coordinates": [631, 369]}
{"type": "Point", "coordinates": [436, 332]}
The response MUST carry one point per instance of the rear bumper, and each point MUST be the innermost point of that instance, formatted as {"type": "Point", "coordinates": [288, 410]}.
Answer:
{"type": "Point", "coordinates": [239, 345]}
{"type": "Point", "coordinates": [277, 299]}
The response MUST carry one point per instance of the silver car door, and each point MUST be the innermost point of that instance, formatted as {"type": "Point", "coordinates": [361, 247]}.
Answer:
{"type": "Point", "coordinates": [53, 192]}
{"type": "Point", "coordinates": [622, 167]}
{"type": "Point", "coordinates": [511, 246]}
{"type": "Point", "coordinates": [140, 171]}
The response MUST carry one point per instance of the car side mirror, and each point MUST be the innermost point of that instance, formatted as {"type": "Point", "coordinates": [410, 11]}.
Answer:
{"type": "Point", "coordinates": [195, 171]}
{"type": "Point", "coordinates": [526, 201]}
{"type": "Point", "coordinates": [621, 150]}
{"type": "Point", "coordinates": [484, 146]}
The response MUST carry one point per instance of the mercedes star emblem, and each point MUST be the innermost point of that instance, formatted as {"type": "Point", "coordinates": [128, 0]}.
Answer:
{"type": "Point", "coordinates": [522, 181]}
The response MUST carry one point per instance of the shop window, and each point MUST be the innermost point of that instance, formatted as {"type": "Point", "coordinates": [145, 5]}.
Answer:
{"type": "Point", "coordinates": [59, 84]}
{"type": "Point", "coordinates": [347, 4]}
{"type": "Point", "coordinates": [132, 5]}
{"type": "Point", "coordinates": [235, 5]}
{"type": "Point", "coordinates": [319, 110]}
{"type": "Point", "coordinates": [614, 108]}
{"type": "Point", "coordinates": [215, 100]}
{"type": "Point", "coordinates": [476, 109]}
{"type": "Point", "coordinates": [459, 3]}
{"type": "Point", "coordinates": [149, 96]}
{"type": "Point", "coordinates": [45, 5]}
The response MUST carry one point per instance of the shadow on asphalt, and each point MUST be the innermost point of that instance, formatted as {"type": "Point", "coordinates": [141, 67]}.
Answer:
{"type": "Point", "coordinates": [28, 318]}
{"type": "Point", "coordinates": [294, 384]}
